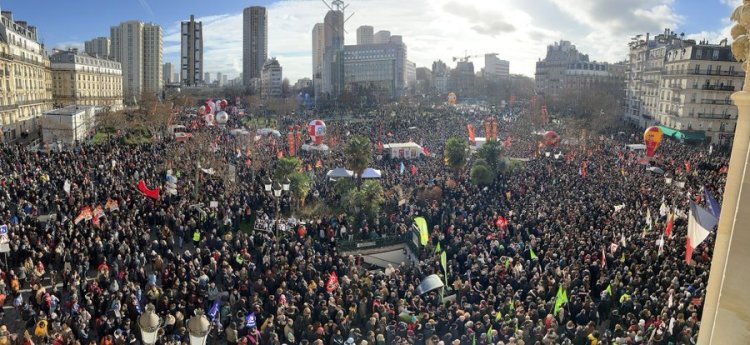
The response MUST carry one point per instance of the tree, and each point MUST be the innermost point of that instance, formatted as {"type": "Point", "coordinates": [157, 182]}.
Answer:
{"type": "Point", "coordinates": [299, 186]}
{"type": "Point", "coordinates": [362, 204]}
{"type": "Point", "coordinates": [455, 152]}
{"type": "Point", "coordinates": [285, 166]}
{"type": "Point", "coordinates": [491, 153]}
{"type": "Point", "coordinates": [358, 152]}
{"type": "Point", "coordinates": [285, 88]}
{"type": "Point", "coordinates": [481, 173]}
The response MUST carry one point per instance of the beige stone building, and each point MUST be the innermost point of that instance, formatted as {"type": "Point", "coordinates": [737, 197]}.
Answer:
{"type": "Point", "coordinates": [25, 78]}
{"type": "Point", "coordinates": [81, 79]}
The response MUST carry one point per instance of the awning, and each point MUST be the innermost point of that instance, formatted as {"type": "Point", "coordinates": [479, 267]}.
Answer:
{"type": "Point", "coordinates": [683, 135]}
{"type": "Point", "coordinates": [670, 132]}
{"type": "Point", "coordinates": [371, 173]}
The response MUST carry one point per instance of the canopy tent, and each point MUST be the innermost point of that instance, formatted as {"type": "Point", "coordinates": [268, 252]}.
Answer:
{"type": "Point", "coordinates": [635, 147]}
{"type": "Point", "coordinates": [655, 170]}
{"type": "Point", "coordinates": [320, 148]}
{"type": "Point", "coordinates": [372, 173]}
{"type": "Point", "coordinates": [683, 134]}
{"type": "Point", "coordinates": [339, 173]}
{"type": "Point", "coordinates": [239, 131]}
{"type": "Point", "coordinates": [267, 131]}
{"type": "Point", "coordinates": [429, 283]}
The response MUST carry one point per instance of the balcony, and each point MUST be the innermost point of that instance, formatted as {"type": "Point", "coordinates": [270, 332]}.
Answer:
{"type": "Point", "coordinates": [718, 87]}
{"type": "Point", "coordinates": [717, 73]}
{"type": "Point", "coordinates": [716, 101]}
{"type": "Point", "coordinates": [673, 113]}
{"type": "Point", "coordinates": [8, 107]}
{"type": "Point", "coordinates": [714, 116]}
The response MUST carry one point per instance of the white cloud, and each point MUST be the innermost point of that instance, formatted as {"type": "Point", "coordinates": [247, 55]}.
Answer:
{"type": "Point", "coordinates": [518, 31]}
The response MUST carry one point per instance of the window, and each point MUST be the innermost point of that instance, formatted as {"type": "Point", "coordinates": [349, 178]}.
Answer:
{"type": "Point", "coordinates": [716, 54]}
{"type": "Point", "coordinates": [697, 68]}
{"type": "Point", "coordinates": [698, 53]}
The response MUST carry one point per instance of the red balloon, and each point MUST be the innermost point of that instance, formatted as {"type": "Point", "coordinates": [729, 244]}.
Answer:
{"type": "Point", "coordinates": [551, 138]}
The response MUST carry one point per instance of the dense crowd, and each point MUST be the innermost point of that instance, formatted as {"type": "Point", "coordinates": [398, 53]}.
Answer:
{"type": "Point", "coordinates": [91, 278]}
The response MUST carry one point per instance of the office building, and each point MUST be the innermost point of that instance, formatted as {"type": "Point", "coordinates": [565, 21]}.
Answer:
{"type": "Point", "coordinates": [223, 81]}
{"type": "Point", "coordinates": [271, 79]}
{"type": "Point", "coordinates": [218, 78]}
{"type": "Point", "coordinates": [496, 69]}
{"type": "Point", "coordinates": [25, 78]}
{"type": "Point", "coordinates": [424, 80]}
{"type": "Point", "coordinates": [168, 73]}
{"type": "Point", "coordinates": [332, 81]}
{"type": "Point", "coordinates": [565, 69]}
{"type": "Point", "coordinates": [683, 86]}
{"type": "Point", "coordinates": [191, 65]}
{"type": "Point", "coordinates": [207, 78]}
{"type": "Point", "coordinates": [440, 73]}
{"type": "Point", "coordinates": [410, 73]}
{"type": "Point", "coordinates": [254, 42]}
{"type": "Point", "coordinates": [461, 79]}
{"type": "Point", "coordinates": [99, 47]}
{"type": "Point", "coordinates": [377, 69]}
{"type": "Point", "coordinates": [365, 35]}
{"type": "Point", "coordinates": [318, 50]}
{"type": "Point", "coordinates": [138, 47]}
{"type": "Point", "coordinates": [85, 80]}
{"type": "Point", "coordinates": [382, 37]}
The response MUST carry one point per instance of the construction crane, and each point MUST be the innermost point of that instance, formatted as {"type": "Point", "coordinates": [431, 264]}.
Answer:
{"type": "Point", "coordinates": [339, 5]}
{"type": "Point", "coordinates": [466, 57]}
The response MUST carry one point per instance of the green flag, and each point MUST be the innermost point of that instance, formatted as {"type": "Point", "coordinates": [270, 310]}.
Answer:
{"type": "Point", "coordinates": [511, 306]}
{"type": "Point", "coordinates": [437, 248]}
{"type": "Point", "coordinates": [489, 334]}
{"type": "Point", "coordinates": [498, 316]}
{"type": "Point", "coordinates": [622, 258]}
{"type": "Point", "coordinates": [609, 289]}
{"type": "Point", "coordinates": [560, 299]}
{"type": "Point", "coordinates": [624, 297]}
{"type": "Point", "coordinates": [507, 263]}
{"type": "Point", "coordinates": [424, 235]}
{"type": "Point", "coordinates": [444, 263]}
{"type": "Point", "coordinates": [532, 254]}
{"type": "Point", "coordinates": [474, 339]}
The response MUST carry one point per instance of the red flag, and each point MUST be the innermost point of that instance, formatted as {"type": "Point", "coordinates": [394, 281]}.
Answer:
{"type": "Point", "coordinates": [724, 170]}
{"type": "Point", "coordinates": [670, 224]}
{"type": "Point", "coordinates": [413, 169]}
{"type": "Point", "coordinates": [425, 151]}
{"type": "Point", "coordinates": [333, 282]}
{"type": "Point", "coordinates": [151, 193]}
{"type": "Point", "coordinates": [583, 168]}
{"type": "Point", "coordinates": [688, 250]}
{"type": "Point", "coordinates": [501, 222]}
{"type": "Point", "coordinates": [687, 166]}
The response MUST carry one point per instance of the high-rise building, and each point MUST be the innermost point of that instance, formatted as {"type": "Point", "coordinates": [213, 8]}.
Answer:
{"type": "Point", "coordinates": [138, 47]}
{"type": "Point", "coordinates": [254, 42]}
{"type": "Point", "coordinates": [376, 68]}
{"type": "Point", "coordinates": [424, 80]}
{"type": "Point", "coordinates": [223, 80]}
{"type": "Point", "coordinates": [410, 74]}
{"type": "Point", "coordinates": [191, 65]}
{"type": "Point", "coordinates": [207, 78]}
{"type": "Point", "coordinates": [82, 79]}
{"type": "Point", "coordinates": [99, 47]}
{"type": "Point", "coordinates": [494, 68]}
{"type": "Point", "coordinates": [333, 66]}
{"type": "Point", "coordinates": [565, 69]}
{"type": "Point", "coordinates": [175, 77]}
{"type": "Point", "coordinates": [381, 37]}
{"type": "Point", "coordinates": [683, 86]}
{"type": "Point", "coordinates": [462, 79]}
{"type": "Point", "coordinates": [26, 80]}
{"type": "Point", "coordinates": [271, 79]}
{"type": "Point", "coordinates": [440, 72]}
{"type": "Point", "coordinates": [318, 50]}
{"type": "Point", "coordinates": [365, 35]}
{"type": "Point", "coordinates": [167, 73]}
{"type": "Point", "coordinates": [218, 78]}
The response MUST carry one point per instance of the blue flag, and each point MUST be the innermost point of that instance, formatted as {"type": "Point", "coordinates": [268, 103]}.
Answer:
{"type": "Point", "coordinates": [403, 168]}
{"type": "Point", "coordinates": [713, 206]}
{"type": "Point", "coordinates": [250, 320]}
{"type": "Point", "coordinates": [138, 308]}
{"type": "Point", "coordinates": [214, 310]}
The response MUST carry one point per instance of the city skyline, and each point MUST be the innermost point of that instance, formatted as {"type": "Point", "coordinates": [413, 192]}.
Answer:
{"type": "Point", "coordinates": [442, 29]}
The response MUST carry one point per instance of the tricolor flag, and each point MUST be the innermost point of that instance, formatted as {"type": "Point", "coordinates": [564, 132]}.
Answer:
{"type": "Point", "coordinates": [713, 206]}
{"type": "Point", "coordinates": [700, 223]}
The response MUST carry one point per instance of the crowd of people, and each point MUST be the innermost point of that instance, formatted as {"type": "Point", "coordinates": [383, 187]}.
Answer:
{"type": "Point", "coordinates": [575, 227]}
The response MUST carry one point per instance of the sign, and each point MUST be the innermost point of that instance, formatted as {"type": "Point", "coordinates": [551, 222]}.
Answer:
{"type": "Point", "coordinates": [5, 247]}
{"type": "Point", "coordinates": [4, 229]}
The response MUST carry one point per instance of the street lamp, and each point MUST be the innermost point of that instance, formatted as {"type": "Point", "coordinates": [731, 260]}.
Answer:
{"type": "Point", "coordinates": [149, 323]}
{"type": "Point", "coordinates": [267, 184]}
{"type": "Point", "coordinates": [198, 327]}
{"type": "Point", "coordinates": [285, 185]}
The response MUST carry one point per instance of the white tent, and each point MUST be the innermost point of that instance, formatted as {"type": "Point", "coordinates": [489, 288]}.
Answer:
{"type": "Point", "coordinates": [320, 148]}
{"type": "Point", "coordinates": [339, 172]}
{"type": "Point", "coordinates": [431, 282]}
{"type": "Point", "coordinates": [372, 173]}
{"type": "Point", "coordinates": [267, 131]}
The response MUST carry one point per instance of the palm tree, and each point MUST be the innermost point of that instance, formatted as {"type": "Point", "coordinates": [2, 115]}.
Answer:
{"type": "Point", "coordinates": [455, 153]}
{"type": "Point", "coordinates": [358, 153]}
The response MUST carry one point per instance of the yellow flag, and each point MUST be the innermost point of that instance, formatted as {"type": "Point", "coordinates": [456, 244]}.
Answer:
{"type": "Point", "coordinates": [424, 236]}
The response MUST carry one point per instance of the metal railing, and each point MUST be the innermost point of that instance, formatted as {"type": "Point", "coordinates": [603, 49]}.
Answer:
{"type": "Point", "coordinates": [714, 116]}
{"type": "Point", "coordinates": [718, 87]}
{"type": "Point", "coordinates": [716, 101]}
{"type": "Point", "coordinates": [361, 244]}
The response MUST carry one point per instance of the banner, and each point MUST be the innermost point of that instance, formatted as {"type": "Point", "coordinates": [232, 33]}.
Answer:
{"type": "Point", "coordinates": [151, 193]}
{"type": "Point", "coordinates": [424, 235]}
{"type": "Point", "coordinates": [111, 205]}
{"type": "Point", "coordinates": [472, 135]}
{"type": "Point", "coordinates": [84, 214]}
{"type": "Point", "coordinates": [291, 144]}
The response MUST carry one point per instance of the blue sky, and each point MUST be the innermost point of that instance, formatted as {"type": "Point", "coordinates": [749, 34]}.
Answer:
{"type": "Point", "coordinates": [432, 29]}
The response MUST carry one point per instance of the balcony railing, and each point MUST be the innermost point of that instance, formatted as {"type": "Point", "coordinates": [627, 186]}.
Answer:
{"type": "Point", "coordinates": [673, 113]}
{"type": "Point", "coordinates": [714, 116]}
{"type": "Point", "coordinates": [718, 87]}
{"type": "Point", "coordinates": [716, 101]}
{"type": "Point", "coordinates": [8, 107]}
{"type": "Point", "coordinates": [717, 73]}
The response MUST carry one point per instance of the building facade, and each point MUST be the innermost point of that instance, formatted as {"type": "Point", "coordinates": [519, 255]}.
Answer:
{"type": "Point", "coordinates": [271, 79]}
{"type": "Point", "coordinates": [332, 81]}
{"type": "Point", "coordinates": [440, 73]}
{"type": "Point", "coordinates": [496, 69]}
{"type": "Point", "coordinates": [138, 47]}
{"type": "Point", "coordinates": [191, 52]}
{"type": "Point", "coordinates": [684, 86]}
{"type": "Point", "coordinates": [378, 69]}
{"type": "Point", "coordinates": [565, 69]}
{"type": "Point", "coordinates": [365, 35]}
{"type": "Point", "coordinates": [462, 79]}
{"type": "Point", "coordinates": [410, 73]}
{"type": "Point", "coordinates": [318, 50]}
{"type": "Point", "coordinates": [167, 72]}
{"type": "Point", "coordinates": [254, 42]}
{"type": "Point", "coordinates": [381, 37]}
{"type": "Point", "coordinates": [99, 47]}
{"type": "Point", "coordinates": [85, 80]}
{"type": "Point", "coordinates": [25, 78]}
{"type": "Point", "coordinates": [69, 125]}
